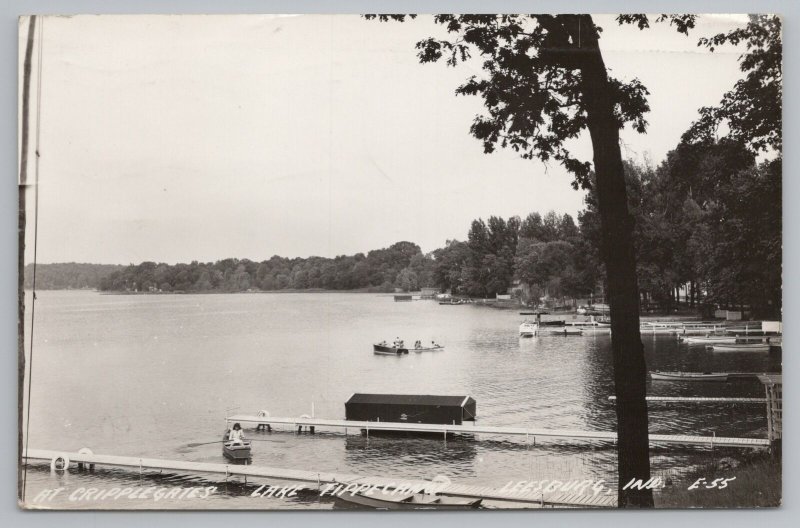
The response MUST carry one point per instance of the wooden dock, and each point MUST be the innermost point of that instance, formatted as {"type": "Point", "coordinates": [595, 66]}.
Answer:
{"type": "Point", "coordinates": [322, 480]}
{"type": "Point", "coordinates": [693, 399]}
{"type": "Point", "coordinates": [531, 435]}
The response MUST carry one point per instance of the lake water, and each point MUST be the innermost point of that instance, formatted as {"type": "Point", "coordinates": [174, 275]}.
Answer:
{"type": "Point", "coordinates": [145, 375]}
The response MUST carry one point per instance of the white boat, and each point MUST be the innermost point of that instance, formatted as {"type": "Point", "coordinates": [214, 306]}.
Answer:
{"type": "Point", "coordinates": [709, 340]}
{"type": "Point", "coordinates": [426, 349]}
{"type": "Point", "coordinates": [688, 376]}
{"type": "Point", "coordinates": [740, 347]}
{"type": "Point", "coordinates": [528, 329]}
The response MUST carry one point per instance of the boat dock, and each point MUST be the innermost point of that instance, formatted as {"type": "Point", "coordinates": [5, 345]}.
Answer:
{"type": "Point", "coordinates": [530, 434]}
{"type": "Point", "coordinates": [321, 481]}
{"type": "Point", "coordinates": [692, 399]}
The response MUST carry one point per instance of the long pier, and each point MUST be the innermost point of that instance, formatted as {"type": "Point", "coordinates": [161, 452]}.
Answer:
{"type": "Point", "coordinates": [697, 399]}
{"type": "Point", "coordinates": [325, 480]}
{"type": "Point", "coordinates": [529, 434]}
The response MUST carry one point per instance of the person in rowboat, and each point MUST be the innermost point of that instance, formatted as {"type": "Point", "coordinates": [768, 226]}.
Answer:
{"type": "Point", "coordinates": [235, 435]}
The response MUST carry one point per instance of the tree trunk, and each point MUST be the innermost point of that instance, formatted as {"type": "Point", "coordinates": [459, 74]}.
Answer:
{"type": "Point", "coordinates": [23, 182]}
{"type": "Point", "coordinates": [630, 371]}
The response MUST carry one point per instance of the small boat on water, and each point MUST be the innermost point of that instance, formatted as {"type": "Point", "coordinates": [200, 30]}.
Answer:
{"type": "Point", "coordinates": [740, 347]}
{"type": "Point", "coordinates": [417, 501]}
{"type": "Point", "coordinates": [427, 349]}
{"type": "Point", "coordinates": [688, 376]}
{"type": "Point", "coordinates": [235, 451]}
{"type": "Point", "coordinates": [388, 350]}
{"type": "Point", "coordinates": [528, 329]}
{"type": "Point", "coordinates": [709, 340]}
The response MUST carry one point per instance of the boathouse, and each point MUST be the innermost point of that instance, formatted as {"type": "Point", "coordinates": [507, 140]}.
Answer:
{"type": "Point", "coordinates": [410, 408]}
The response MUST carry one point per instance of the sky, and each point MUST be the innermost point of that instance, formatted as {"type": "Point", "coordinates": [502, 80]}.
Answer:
{"type": "Point", "coordinates": [180, 138]}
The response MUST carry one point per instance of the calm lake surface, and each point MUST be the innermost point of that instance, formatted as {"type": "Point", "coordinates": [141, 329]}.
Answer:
{"type": "Point", "coordinates": [145, 375]}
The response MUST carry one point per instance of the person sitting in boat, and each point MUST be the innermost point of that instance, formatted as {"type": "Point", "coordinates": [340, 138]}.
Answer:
{"type": "Point", "coordinates": [418, 344]}
{"type": "Point", "coordinates": [236, 435]}
{"type": "Point", "coordinates": [434, 345]}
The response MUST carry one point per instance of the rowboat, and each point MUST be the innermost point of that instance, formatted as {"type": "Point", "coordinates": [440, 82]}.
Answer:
{"type": "Point", "coordinates": [235, 451]}
{"type": "Point", "coordinates": [709, 340]}
{"type": "Point", "coordinates": [387, 350]}
{"type": "Point", "coordinates": [688, 376]}
{"type": "Point", "coordinates": [419, 501]}
{"type": "Point", "coordinates": [740, 347]}
{"type": "Point", "coordinates": [427, 349]}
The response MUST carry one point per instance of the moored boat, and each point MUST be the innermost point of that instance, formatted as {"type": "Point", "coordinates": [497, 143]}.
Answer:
{"type": "Point", "coordinates": [688, 376]}
{"type": "Point", "coordinates": [388, 350]}
{"type": "Point", "coordinates": [527, 329]}
{"type": "Point", "coordinates": [709, 340]}
{"type": "Point", "coordinates": [407, 501]}
{"type": "Point", "coordinates": [740, 347]}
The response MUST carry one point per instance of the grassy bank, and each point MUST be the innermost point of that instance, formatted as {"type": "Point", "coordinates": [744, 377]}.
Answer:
{"type": "Point", "coordinates": [757, 484]}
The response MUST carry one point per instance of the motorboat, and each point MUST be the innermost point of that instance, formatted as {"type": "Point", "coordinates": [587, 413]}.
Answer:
{"type": "Point", "coordinates": [389, 350]}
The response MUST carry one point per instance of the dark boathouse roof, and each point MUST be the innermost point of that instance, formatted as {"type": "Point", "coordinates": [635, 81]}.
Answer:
{"type": "Point", "coordinates": [409, 399]}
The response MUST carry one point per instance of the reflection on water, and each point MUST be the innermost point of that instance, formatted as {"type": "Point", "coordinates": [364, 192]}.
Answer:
{"type": "Point", "coordinates": [146, 375]}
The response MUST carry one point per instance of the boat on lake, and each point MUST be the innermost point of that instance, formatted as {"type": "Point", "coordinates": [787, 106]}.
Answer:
{"type": "Point", "coordinates": [709, 340]}
{"type": "Point", "coordinates": [409, 501]}
{"type": "Point", "coordinates": [740, 347]}
{"type": "Point", "coordinates": [528, 329]}
{"type": "Point", "coordinates": [235, 451]}
{"type": "Point", "coordinates": [688, 376]}
{"type": "Point", "coordinates": [427, 349]}
{"type": "Point", "coordinates": [388, 350]}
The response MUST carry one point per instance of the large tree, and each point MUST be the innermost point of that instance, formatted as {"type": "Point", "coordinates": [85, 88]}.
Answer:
{"type": "Point", "coordinates": [544, 82]}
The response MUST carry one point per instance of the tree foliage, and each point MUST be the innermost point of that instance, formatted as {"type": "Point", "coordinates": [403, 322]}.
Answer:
{"type": "Point", "coordinates": [401, 265]}
{"type": "Point", "coordinates": [752, 110]}
{"type": "Point", "coordinates": [531, 82]}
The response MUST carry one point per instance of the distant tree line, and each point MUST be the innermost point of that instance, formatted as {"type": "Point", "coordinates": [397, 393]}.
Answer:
{"type": "Point", "coordinates": [402, 265]}
{"type": "Point", "coordinates": [68, 275]}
